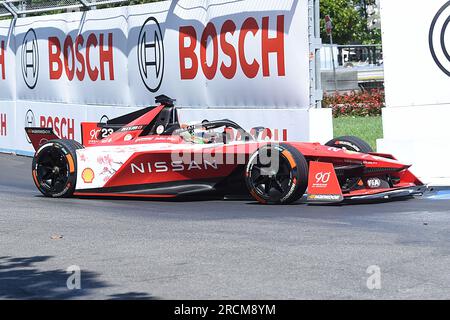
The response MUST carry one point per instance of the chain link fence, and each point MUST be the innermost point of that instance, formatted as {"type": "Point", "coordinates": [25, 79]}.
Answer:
{"type": "Point", "coordinates": [22, 8]}
{"type": "Point", "coordinates": [3, 11]}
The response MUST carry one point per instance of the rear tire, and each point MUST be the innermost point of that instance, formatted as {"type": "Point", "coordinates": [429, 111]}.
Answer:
{"type": "Point", "coordinates": [55, 168]}
{"type": "Point", "coordinates": [277, 182]}
{"type": "Point", "coordinates": [350, 143]}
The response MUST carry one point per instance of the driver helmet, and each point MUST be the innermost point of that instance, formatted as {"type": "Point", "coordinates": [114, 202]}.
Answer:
{"type": "Point", "coordinates": [194, 136]}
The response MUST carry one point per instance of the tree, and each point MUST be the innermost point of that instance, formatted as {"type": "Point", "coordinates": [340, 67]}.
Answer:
{"type": "Point", "coordinates": [350, 21]}
{"type": "Point", "coordinates": [371, 28]}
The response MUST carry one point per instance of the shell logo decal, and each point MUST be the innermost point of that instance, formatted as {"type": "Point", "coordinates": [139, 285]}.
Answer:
{"type": "Point", "coordinates": [88, 175]}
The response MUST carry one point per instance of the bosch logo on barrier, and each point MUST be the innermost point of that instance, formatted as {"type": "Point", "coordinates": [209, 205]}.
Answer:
{"type": "Point", "coordinates": [2, 60]}
{"type": "Point", "coordinates": [63, 127]}
{"type": "Point", "coordinates": [191, 61]}
{"type": "Point", "coordinates": [437, 39]}
{"type": "Point", "coordinates": [69, 59]}
{"type": "Point", "coordinates": [3, 124]}
{"type": "Point", "coordinates": [30, 59]}
{"type": "Point", "coordinates": [29, 121]}
{"type": "Point", "coordinates": [150, 51]}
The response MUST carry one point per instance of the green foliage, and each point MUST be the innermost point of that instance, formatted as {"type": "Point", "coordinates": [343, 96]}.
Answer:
{"type": "Point", "coordinates": [350, 22]}
{"type": "Point", "coordinates": [367, 128]}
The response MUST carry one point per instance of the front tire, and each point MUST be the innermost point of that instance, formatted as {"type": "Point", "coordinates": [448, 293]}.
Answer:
{"type": "Point", "coordinates": [54, 168]}
{"type": "Point", "coordinates": [350, 143]}
{"type": "Point", "coordinates": [277, 174]}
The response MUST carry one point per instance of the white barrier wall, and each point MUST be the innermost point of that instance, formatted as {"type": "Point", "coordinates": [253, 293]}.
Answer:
{"type": "Point", "coordinates": [7, 86]}
{"type": "Point", "coordinates": [7, 61]}
{"type": "Point", "coordinates": [250, 57]}
{"type": "Point", "coordinates": [417, 78]}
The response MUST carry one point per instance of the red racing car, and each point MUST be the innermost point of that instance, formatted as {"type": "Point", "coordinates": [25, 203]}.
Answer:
{"type": "Point", "coordinates": [149, 154]}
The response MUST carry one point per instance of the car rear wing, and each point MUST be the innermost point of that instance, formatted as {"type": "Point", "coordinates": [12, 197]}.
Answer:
{"type": "Point", "coordinates": [91, 133]}
{"type": "Point", "coordinates": [39, 136]}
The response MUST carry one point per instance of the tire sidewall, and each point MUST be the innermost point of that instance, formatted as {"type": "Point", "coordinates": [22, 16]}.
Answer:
{"type": "Point", "coordinates": [350, 143]}
{"type": "Point", "coordinates": [298, 178]}
{"type": "Point", "coordinates": [72, 176]}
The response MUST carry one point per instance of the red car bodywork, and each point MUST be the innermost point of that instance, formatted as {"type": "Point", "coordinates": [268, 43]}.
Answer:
{"type": "Point", "coordinates": [136, 162]}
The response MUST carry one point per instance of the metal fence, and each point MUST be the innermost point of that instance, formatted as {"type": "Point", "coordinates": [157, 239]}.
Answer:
{"type": "Point", "coordinates": [351, 54]}
{"type": "Point", "coordinates": [356, 67]}
{"type": "Point", "coordinates": [21, 8]}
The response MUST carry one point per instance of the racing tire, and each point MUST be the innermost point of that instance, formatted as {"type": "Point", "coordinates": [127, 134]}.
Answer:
{"type": "Point", "coordinates": [277, 182]}
{"type": "Point", "coordinates": [54, 168]}
{"type": "Point", "coordinates": [350, 143]}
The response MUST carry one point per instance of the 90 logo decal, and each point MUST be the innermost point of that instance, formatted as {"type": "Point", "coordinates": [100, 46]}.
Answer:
{"type": "Point", "coordinates": [437, 38]}
{"type": "Point", "coordinates": [323, 177]}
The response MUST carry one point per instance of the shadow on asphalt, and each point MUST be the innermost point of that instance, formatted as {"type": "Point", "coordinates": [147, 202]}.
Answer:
{"type": "Point", "coordinates": [131, 296]}
{"type": "Point", "coordinates": [21, 279]}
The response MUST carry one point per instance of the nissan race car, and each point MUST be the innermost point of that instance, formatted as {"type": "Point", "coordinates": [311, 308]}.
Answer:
{"type": "Point", "coordinates": [149, 154]}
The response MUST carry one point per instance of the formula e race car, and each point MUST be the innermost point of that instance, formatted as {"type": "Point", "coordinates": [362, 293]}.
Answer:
{"type": "Point", "coordinates": [149, 154]}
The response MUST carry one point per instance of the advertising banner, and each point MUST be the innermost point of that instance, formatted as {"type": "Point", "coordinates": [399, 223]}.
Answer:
{"type": "Point", "coordinates": [65, 119]}
{"type": "Point", "coordinates": [249, 58]}
{"type": "Point", "coordinates": [416, 56]}
{"type": "Point", "coordinates": [417, 77]}
{"type": "Point", "coordinates": [7, 61]}
{"type": "Point", "coordinates": [205, 52]}
{"type": "Point", "coordinates": [200, 52]}
{"type": "Point", "coordinates": [7, 126]}
{"type": "Point", "coordinates": [73, 58]}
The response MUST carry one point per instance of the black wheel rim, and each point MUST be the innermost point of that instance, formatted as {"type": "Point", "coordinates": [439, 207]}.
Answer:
{"type": "Point", "coordinates": [52, 170]}
{"type": "Point", "coordinates": [272, 186]}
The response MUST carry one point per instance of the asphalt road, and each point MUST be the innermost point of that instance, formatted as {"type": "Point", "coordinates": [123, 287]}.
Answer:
{"type": "Point", "coordinates": [216, 249]}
